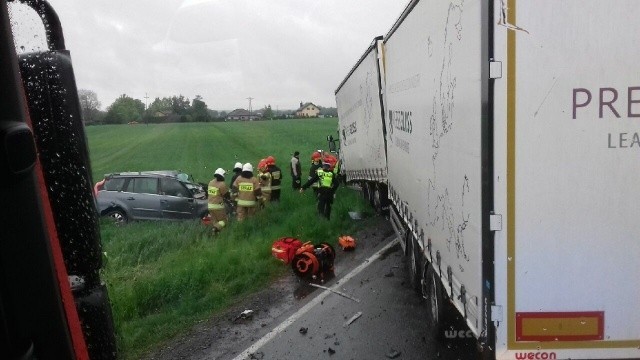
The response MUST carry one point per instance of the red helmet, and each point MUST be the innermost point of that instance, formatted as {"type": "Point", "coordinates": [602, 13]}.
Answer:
{"type": "Point", "coordinates": [262, 164]}
{"type": "Point", "coordinates": [316, 156]}
{"type": "Point", "coordinates": [331, 160]}
{"type": "Point", "coordinates": [270, 160]}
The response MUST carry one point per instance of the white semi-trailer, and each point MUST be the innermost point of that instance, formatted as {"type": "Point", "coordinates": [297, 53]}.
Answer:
{"type": "Point", "coordinates": [512, 145]}
{"type": "Point", "coordinates": [361, 127]}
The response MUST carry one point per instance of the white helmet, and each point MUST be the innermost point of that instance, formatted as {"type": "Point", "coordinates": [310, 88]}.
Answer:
{"type": "Point", "coordinates": [247, 167]}
{"type": "Point", "coordinates": [220, 171]}
{"type": "Point", "coordinates": [237, 166]}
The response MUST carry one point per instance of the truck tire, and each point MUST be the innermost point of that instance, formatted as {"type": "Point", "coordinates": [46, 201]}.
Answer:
{"type": "Point", "coordinates": [413, 263]}
{"type": "Point", "coordinates": [436, 305]}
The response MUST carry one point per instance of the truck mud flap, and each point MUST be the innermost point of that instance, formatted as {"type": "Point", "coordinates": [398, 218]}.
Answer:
{"type": "Point", "coordinates": [398, 228]}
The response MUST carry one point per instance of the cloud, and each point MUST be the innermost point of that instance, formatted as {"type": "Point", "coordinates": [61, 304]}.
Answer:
{"type": "Point", "coordinates": [279, 52]}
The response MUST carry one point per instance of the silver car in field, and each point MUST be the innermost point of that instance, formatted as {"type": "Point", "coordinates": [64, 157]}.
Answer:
{"type": "Point", "coordinates": [150, 195]}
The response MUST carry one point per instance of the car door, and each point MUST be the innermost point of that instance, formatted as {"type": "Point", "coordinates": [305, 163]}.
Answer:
{"type": "Point", "coordinates": [142, 197]}
{"type": "Point", "coordinates": [176, 200]}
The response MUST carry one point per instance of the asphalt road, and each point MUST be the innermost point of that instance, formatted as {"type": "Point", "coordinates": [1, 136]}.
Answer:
{"type": "Point", "coordinates": [381, 318]}
{"type": "Point", "coordinates": [294, 320]}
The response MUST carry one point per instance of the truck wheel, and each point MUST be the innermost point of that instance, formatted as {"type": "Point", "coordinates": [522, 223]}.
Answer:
{"type": "Point", "coordinates": [376, 202]}
{"type": "Point", "coordinates": [365, 190]}
{"type": "Point", "coordinates": [414, 263]}
{"type": "Point", "coordinates": [118, 216]}
{"type": "Point", "coordinates": [436, 311]}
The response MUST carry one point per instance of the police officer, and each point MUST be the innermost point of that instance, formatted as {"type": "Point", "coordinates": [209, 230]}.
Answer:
{"type": "Point", "coordinates": [316, 163]}
{"type": "Point", "coordinates": [327, 186]}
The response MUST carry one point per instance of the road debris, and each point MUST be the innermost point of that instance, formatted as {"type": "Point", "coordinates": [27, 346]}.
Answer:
{"type": "Point", "coordinates": [353, 318]}
{"type": "Point", "coordinates": [336, 292]}
{"type": "Point", "coordinates": [331, 351]}
{"type": "Point", "coordinates": [245, 315]}
{"type": "Point", "coordinates": [257, 355]}
{"type": "Point", "coordinates": [389, 274]}
{"type": "Point", "coordinates": [393, 353]}
{"type": "Point", "coordinates": [303, 330]}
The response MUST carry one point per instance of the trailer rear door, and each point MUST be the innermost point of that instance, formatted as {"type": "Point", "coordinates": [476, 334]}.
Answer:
{"type": "Point", "coordinates": [568, 146]}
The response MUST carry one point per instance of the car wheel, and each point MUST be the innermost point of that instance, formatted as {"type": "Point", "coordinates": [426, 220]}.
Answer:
{"type": "Point", "coordinates": [118, 216]}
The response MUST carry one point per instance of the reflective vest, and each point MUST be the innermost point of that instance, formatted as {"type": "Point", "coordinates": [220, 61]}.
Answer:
{"type": "Point", "coordinates": [325, 178]}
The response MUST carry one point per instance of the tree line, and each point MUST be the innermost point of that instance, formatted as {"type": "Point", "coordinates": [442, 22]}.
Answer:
{"type": "Point", "coordinates": [125, 110]}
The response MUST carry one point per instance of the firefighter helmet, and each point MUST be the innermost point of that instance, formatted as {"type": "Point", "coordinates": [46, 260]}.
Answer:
{"type": "Point", "coordinates": [247, 167]}
{"type": "Point", "coordinates": [331, 160]}
{"type": "Point", "coordinates": [347, 243]}
{"type": "Point", "coordinates": [270, 160]}
{"type": "Point", "coordinates": [237, 166]}
{"type": "Point", "coordinates": [262, 164]}
{"type": "Point", "coordinates": [220, 171]}
{"type": "Point", "coordinates": [316, 156]}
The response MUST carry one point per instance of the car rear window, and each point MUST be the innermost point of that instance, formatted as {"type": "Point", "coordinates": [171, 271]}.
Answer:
{"type": "Point", "coordinates": [142, 185]}
{"type": "Point", "coordinates": [114, 184]}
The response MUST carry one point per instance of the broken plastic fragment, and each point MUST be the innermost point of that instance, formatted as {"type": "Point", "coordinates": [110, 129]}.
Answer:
{"type": "Point", "coordinates": [352, 319]}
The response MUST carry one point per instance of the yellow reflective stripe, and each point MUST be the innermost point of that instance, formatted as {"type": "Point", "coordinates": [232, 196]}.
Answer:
{"type": "Point", "coordinates": [246, 202]}
{"type": "Point", "coordinates": [276, 187]}
{"type": "Point", "coordinates": [213, 191]}
{"type": "Point", "coordinates": [215, 206]}
{"type": "Point", "coordinates": [245, 187]}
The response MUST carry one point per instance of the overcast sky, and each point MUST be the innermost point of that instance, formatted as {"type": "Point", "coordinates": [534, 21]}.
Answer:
{"type": "Point", "coordinates": [279, 52]}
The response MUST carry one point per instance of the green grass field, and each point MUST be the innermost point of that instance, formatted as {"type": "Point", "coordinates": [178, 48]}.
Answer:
{"type": "Point", "coordinates": [164, 277]}
{"type": "Point", "coordinates": [200, 148]}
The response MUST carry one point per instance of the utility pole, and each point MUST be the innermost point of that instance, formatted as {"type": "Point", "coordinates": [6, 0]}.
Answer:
{"type": "Point", "coordinates": [250, 98]}
{"type": "Point", "coordinates": [144, 115]}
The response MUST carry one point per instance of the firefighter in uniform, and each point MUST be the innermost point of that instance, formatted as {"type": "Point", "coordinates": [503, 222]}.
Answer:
{"type": "Point", "coordinates": [237, 169]}
{"type": "Point", "coordinates": [218, 193]}
{"type": "Point", "coordinates": [264, 178]}
{"type": "Point", "coordinates": [326, 178]}
{"type": "Point", "coordinates": [316, 163]}
{"type": "Point", "coordinates": [246, 190]}
{"type": "Point", "coordinates": [276, 178]}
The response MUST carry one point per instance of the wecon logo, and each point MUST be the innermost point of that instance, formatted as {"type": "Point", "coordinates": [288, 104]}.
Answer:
{"type": "Point", "coordinates": [461, 334]}
{"type": "Point", "coordinates": [536, 355]}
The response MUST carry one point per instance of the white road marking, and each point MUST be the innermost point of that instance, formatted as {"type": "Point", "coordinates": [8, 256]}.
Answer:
{"type": "Point", "coordinates": [311, 304]}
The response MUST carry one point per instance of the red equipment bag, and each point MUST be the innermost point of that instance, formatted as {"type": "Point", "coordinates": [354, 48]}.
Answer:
{"type": "Point", "coordinates": [284, 249]}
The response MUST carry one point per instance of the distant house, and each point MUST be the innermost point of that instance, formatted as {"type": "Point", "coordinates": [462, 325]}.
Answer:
{"type": "Point", "coordinates": [243, 115]}
{"type": "Point", "coordinates": [165, 116]}
{"type": "Point", "coordinates": [307, 110]}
